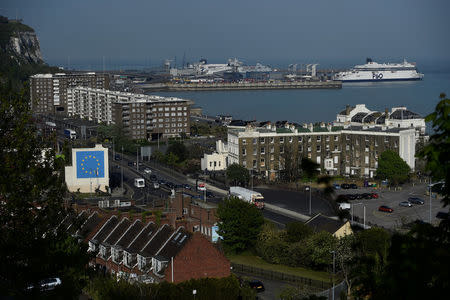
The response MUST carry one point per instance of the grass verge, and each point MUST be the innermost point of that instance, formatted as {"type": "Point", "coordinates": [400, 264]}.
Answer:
{"type": "Point", "coordinates": [249, 259]}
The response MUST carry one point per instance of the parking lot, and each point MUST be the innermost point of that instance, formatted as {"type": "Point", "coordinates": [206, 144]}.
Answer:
{"type": "Point", "coordinates": [400, 215]}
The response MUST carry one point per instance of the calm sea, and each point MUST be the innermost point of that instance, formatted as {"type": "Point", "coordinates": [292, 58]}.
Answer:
{"type": "Point", "coordinates": [303, 106]}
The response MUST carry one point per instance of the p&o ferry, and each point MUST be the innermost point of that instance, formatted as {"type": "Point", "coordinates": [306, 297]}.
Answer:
{"type": "Point", "coordinates": [373, 71]}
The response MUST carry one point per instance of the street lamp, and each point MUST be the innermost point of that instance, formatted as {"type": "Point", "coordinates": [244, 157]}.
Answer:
{"type": "Point", "coordinates": [308, 188]}
{"type": "Point", "coordinates": [334, 258]}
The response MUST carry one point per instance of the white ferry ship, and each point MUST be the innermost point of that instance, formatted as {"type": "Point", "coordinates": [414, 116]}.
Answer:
{"type": "Point", "coordinates": [373, 71]}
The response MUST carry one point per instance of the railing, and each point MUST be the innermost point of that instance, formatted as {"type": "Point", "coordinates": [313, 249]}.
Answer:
{"type": "Point", "coordinates": [274, 275]}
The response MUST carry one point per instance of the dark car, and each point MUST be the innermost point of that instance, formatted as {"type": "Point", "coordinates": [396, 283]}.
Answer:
{"type": "Point", "coordinates": [359, 196]}
{"type": "Point", "coordinates": [210, 194]}
{"type": "Point", "coordinates": [162, 181]}
{"type": "Point", "coordinates": [117, 157]}
{"type": "Point", "coordinates": [351, 196]}
{"type": "Point", "coordinates": [366, 196]}
{"type": "Point", "coordinates": [257, 285]}
{"type": "Point", "coordinates": [415, 200]}
{"type": "Point", "coordinates": [385, 208]}
{"type": "Point", "coordinates": [186, 186]}
{"type": "Point", "coordinates": [353, 186]}
{"type": "Point", "coordinates": [153, 178]}
{"type": "Point", "coordinates": [170, 185]}
{"type": "Point", "coordinates": [130, 164]}
{"type": "Point", "coordinates": [345, 186]}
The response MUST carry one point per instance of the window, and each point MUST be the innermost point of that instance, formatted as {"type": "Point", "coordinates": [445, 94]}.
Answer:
{"type": "Point", "coordinates": [336, 148]}
{"type": "Point", "coordinates": [366, 159]}
{"type": "Point", "coordinates": [395, 144]}
{"type": "Point", "coordinates": [300, 148]}
{"type": "Point", "coordinates": [336, 138]}
{"type": "Point", "coordinates": [347, 137]}
{"type": "Point", "coordinates": [291, 139]}
{"type": "Point", "coordinates": [357, 142]}
{"type": "Point", "coordinates": [263, 150]}
{"type": "Point", "coordinates": [376, 143]}
{"type": "Point", "coordinates": [318, 159]}
{"type": "Point", "coordinates": [367, 148]}
{"type": "Point", "coordinates": [336, 159]}
{"type": "Point", "coordinates": [319, 138]}
{"type": "Point", "coordinates": [366, 138]}
{"type": "Point", "coordinates": [254, 141]}
{"type": "Point", "coordinates": [309, 139]}
{"type": "Point", "coordinates": [327, 138]}
{"type": "Point", "coordinates": [272, 149]}
{"type": "Point", "coordinates": [300, 138]}
{"type": "Point", "coordinates": [327, 147]}
{"type": "Point", "coordinates": [309, 148]}
{"type": "Point", "coordinates": [282, 149]}
{"type": "Point", "coordinates": [272, 140]}
{"type": "Point", "coordinates": [244, 151]}
{"type": "Point", "coordinates": [386, 139]}
{"type": "Point", "coordinates": [263, 162]}
{"type": "Point", "coordinates": [281, 139]}
{"type": "Point", "coordinates": [272, 157]}
{"type": "Point", "coordinates": [254, 163]}
{"type": "Point", "coordinates": [318, 148]}
{"type": "Point", "coordinates": [262, 140]}
{"type": "Point", "coordinates": [254, 151]}
{"type": "Point", "coordinates": [244, 142]}
{"type": "Point", "coordinates": [347, 147]}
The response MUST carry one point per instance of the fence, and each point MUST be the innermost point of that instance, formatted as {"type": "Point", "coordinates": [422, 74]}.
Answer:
{"type": "Point", "coordinates": [274, 275]}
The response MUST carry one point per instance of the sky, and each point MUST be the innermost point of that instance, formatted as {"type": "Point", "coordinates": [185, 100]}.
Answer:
{"type": "Point", "coordinates": [329, 32]}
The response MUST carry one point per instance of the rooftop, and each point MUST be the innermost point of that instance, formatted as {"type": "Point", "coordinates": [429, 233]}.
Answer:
{"type": "Point", "coordinates": [324, 223]}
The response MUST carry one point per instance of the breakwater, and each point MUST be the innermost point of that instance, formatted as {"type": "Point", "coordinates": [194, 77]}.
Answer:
{"type": "Point", "coordinates": [241, 86]}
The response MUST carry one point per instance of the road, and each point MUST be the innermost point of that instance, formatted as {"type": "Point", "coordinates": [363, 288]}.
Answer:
{"type": "Point", "coordinates": [391, 198]}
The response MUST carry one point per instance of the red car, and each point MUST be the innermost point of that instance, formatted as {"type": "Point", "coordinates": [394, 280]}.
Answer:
{"type": "Point", "coordinates": [385, 208]}
{"type": "Point", "coordinates": [374, 196]}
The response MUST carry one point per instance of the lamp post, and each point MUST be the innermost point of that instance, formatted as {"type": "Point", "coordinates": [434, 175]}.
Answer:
{"type": "Point", "coordinates": [308, 188]}
{"type": "Point", "coordinates": [334, 258]}
{"type": "Point", "coordinates": [121, 169]}
{"type": "Point", "coordinates": [429, 192]}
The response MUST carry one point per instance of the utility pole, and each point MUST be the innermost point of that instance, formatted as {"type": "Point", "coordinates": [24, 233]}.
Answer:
{"type": "Point", "coordinates": [310, 183]}
{"type": "Point", "coordinates": [334, 258]}
{"type": "Point", "coordinates": [121, 169]}
{"type": "Point", "coordinates": [137, 159]}
{"type": "Point", "coordinates": [429, 192]}
{"type": "Point", "coordinates": [364, 217]}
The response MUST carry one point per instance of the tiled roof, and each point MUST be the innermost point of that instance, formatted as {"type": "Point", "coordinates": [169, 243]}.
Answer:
{"type": "Point", "coordinates": [89, 225]}
{"type": "Point", "coordinates": [101, 235]}
{"type": "Point", "coordinates": [117, 232]}
{"type": "Point", "coordinates": [139, 241]}
{"type": "Point", "coordinates": [175, 244]}
{"type": "Point", "coordinates": [157, 241]}
{"type": "Point", "coordinates": [130, 234]}
{"type": "Point", "coordinates": [324, 223]}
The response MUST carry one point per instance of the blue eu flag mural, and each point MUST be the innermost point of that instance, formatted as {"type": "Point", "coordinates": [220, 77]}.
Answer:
{"type": "Point", "coordinates": [90, 164]}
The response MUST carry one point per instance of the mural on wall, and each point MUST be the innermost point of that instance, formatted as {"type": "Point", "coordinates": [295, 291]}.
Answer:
{"type": "Point", "coordinates": [90, 164]}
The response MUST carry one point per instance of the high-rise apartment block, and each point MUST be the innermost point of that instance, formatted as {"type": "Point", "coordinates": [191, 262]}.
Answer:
{"type": "Point", "coordinates": [339, 150]}
{"type": "Point", "coordinates": [141, 116]}
{"type": "Point", "coordinates": [49, 91]}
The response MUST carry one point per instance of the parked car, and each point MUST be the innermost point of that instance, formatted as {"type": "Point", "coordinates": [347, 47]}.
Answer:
{"type": "Point", "coordinates": [155, 185]}
{"type": "Point", "coordinates": [170, 185]}
{"type": "Point", "coordinates": [359, 196]}
{"type": "Point", "coordinates": [351, 196]}
{"type": "Point", "coordinates": [385, 208]}
{"type": "Point", "coordinates": [153, 177]}
{"type": "Point", "coordinates": [367, 196]}
{"type": "Point", "coordinates": [353, 186]}
{"type": "Point", "coordinates": [375, 195]}
{"type": "Point", "coordinates": [186, 186]}
{"type": "Point", "coordinates": [47, 284]}
{"type": "Point", "coordinates": [210, 194]}
{"type": "Point", "coordinates": [257, 285]}
{"type": "Point", "coordinates": [162, 181]}
{"type": "Point", "coordinates": [405, 204]}
{"type": "Point", "coordinates": [147, 171]}
{"type": "Point", "coordinates": [345, 186]}
{"type": "Point", "coordinates": [117, 157]}
{"type": "Point", "coordinates": [131, 163]}
{"type": "Point", "coordinates": [336, 186]}
{"type": "Point", "coordinates": [416, 200]}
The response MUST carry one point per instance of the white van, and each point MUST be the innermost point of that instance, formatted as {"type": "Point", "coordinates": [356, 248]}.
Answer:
{"type": "Point", "coordinates": [139, 182]}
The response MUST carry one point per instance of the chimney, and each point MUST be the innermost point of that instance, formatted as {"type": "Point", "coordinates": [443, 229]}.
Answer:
{"type": "Point", "coordinates": [311, 127]}
{"type": "Point", "coordinates": [347, 110]}
{"type": "Point", "coordinates": [329, 127]}
{"type": "Point", "coordinates": [386, 113]}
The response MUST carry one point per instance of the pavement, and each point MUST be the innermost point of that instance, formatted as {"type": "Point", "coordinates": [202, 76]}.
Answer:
{"type": "Point", "coordinates": [392, 198]}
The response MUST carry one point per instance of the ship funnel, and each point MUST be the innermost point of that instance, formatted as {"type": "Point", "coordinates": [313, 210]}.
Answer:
{"type": "Point", "coordinates": [368, 60]}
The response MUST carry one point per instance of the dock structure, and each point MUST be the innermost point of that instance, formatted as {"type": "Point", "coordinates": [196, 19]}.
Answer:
{"type": "Point", "coordinates": [242, 86]}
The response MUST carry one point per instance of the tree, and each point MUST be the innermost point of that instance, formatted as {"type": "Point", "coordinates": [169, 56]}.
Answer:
{"type": "Point", "coordinates": [240, 223]}
{"type": "Point", "coordinates": [290, 162]}
{"type": "Point", "coordinates": [392, 167]}
{"type": "Point", "coordinates": [319, 247]}
{"type": "Point", "coordinates": [297, 231]}
{"type": "Point", "coordinates": [309, 168]}
{"type": "Point", "coordinates": [179, 149]}
{"type": "Point", "coordinates": [437, 152]}
{"type": "Point", "coordinates": [237, 174]}
{"type": "Point", "coordinates": [32, 246]}
{"type": "Point", "coordinates": [345, 259]}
